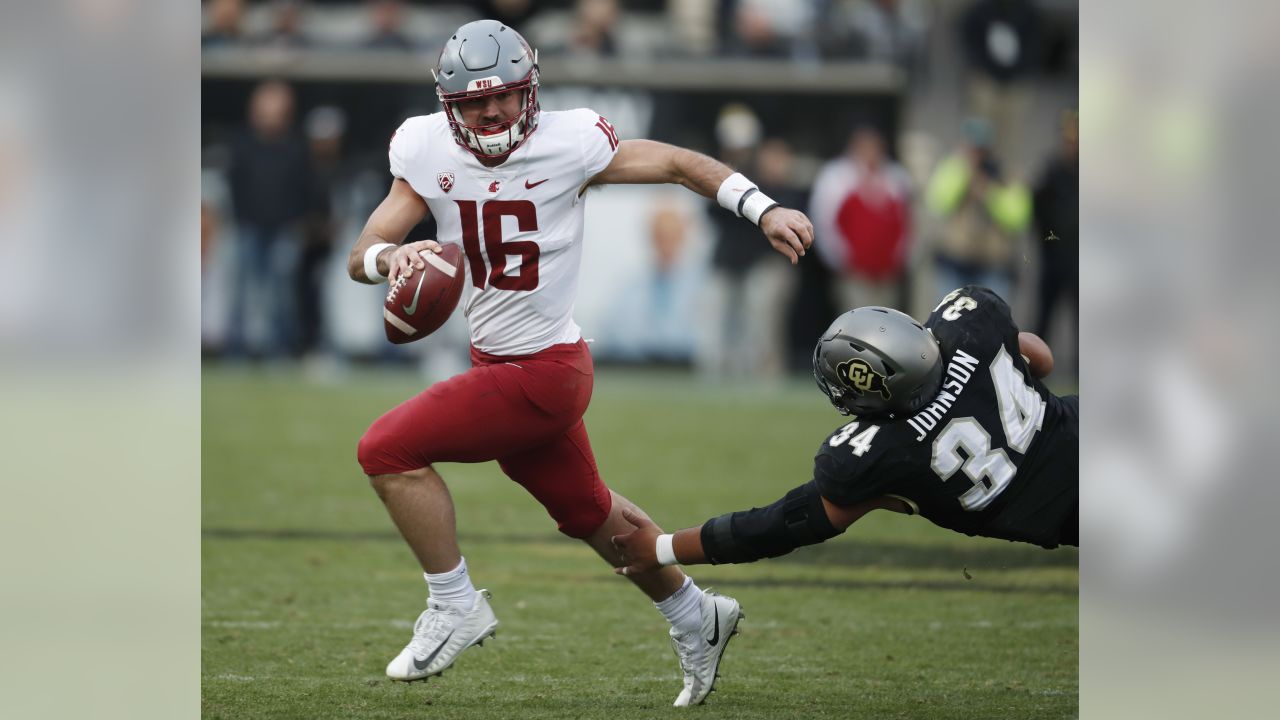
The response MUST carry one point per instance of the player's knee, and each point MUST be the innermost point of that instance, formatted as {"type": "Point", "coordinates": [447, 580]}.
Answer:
{"type": "Point", "coordinates": [368, 452]}
{"type": "Point", "coordinates": [386, 485]}
{"type": "Point", "coordinates": [581, 524]}
{"type": "Point", "coordinates": [581, 512]}
{"type": "Point", "coordinates": [389, 483]}
{"type": "Point", "coordinates": [377, 452]}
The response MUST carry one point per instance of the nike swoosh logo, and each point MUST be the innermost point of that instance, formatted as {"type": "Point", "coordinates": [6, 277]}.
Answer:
{"type": "Point", "coordinates": [414, 306]}
{"type": "Point", "coordinates": [529, 186]}
{"type": "Point", "coordinates": [715, 639]}
{"type": "Point", "coordinates": [423, 664]}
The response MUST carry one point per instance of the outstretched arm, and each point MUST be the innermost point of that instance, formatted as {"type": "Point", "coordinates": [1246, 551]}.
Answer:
{"type": "Point", "coordinates": [801, 517]}
{"type": "Point", "coordinates": [646, 162]}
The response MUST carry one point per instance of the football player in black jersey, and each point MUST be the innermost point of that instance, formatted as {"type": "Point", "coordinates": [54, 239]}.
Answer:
{"type": "Point", "coordinates": [948, 420]}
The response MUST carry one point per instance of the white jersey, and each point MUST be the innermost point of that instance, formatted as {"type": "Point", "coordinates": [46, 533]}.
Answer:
{"type": "Point", "coordinates": [519, 224]}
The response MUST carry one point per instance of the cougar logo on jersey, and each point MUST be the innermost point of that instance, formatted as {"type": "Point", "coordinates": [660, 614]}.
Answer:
{"type": "Point", "coordinates": [860, 376]}
{"type": "Point", "coordinates": [446, 181]}
{"type": "Point", "coordinates": [493, 186]}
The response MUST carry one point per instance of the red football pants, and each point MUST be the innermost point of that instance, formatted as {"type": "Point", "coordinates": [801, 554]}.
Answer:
{"type": "Point", "coordinates": [525, 412]}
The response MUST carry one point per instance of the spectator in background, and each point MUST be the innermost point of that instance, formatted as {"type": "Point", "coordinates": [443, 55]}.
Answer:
{"type": "Point", "coordinates": [210, 223]}
{"type": "Point", "coordinates": [1002, 45]}
{"type": "Point", "coordinates": [512, 13]}
{"type": "Point", "coordinates": [693, 27]}
{"type": "Point", "coordinates": [269, 178]}
{"type": "Point", "coordinates": [891, 31]}
{"type": "Point", "coordinates": [594, 28]}
{"type": "Point", "coordinates": [217, 247]}
{"type": "Point", "coordinates": [862, 222]}
{"type": "Point", "coordinates": [286, 26]}
{"type": "Point", "coordinates": [387, 20]}
{"type": "Point", "coordinates": [983, 216]}
{"type": "Point", "coordinates": [749, 288]}
{"type": "Point", "coordinates": [772, 28]}
{"type": "Point", "coordinates": [225, 20]}
{"type": "Point", "coordinates": [325, 128]}
{"type": "Point", "coordinates": [650, 321]}
{"type": "Point", "coordinates": [1057, 215]}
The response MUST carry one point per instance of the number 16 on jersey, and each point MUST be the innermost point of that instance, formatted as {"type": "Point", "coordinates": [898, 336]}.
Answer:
{"type": "Point", "coordinates": [491, 214]}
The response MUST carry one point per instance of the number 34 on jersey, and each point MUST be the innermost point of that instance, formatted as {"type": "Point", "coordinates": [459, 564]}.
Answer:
{"type": "Point", "coordinates": [859, 444]}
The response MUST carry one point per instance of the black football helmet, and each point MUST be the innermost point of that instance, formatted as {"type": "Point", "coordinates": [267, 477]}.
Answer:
{"type": "Point", "coordinates": [877, 361]}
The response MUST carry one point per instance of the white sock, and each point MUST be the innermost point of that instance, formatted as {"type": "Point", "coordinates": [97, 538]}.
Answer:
{"type": "Point", "coordinates": [684, 608]}
{"type": "Point", "coordinates": [453, 587]}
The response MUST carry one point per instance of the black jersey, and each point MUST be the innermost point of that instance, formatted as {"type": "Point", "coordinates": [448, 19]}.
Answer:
{"type": "Point", "coordinates": [995, 454]}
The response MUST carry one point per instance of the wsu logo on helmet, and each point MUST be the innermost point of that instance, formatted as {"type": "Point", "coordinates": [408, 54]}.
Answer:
{"type": "Point", "coordinates": [446, 181]}
{"type": "Point", "coordinates": [860, 376]}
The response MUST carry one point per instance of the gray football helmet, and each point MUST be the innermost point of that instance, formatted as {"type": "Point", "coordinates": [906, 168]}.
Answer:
{"type": "Point", "coordinates": [483, 58]}
{"type": "Point", "coordinates": [877, 361]}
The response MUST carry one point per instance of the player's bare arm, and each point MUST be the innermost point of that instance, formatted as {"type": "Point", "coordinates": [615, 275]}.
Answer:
{"type": "Point", "coordinates": [387, 227]}
{"type": "Point", "coordinates": [802, 517]}
{"type": "Point", "coordinates": [646, 162]}
{"type": "Point", "coordinates": [1037, 354]}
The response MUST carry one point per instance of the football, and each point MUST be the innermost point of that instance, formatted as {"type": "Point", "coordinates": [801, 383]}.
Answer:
{"type": "Point", "coordinates": [1037, 354]}
{"type": "Point", "coordinates": [418, 305]}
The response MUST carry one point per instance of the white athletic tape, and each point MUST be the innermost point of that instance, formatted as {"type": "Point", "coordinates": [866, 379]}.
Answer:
{"type": "Point", "coordinates": [755, 205]}
{"type": "Point", "coordinates": [665, 552]}
{"type": "Point", "coordinates": [371, 262]}
{"type": "Point", "coordinates": [732, 190]}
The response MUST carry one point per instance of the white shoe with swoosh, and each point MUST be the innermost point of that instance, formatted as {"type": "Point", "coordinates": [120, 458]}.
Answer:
{"type": "Point", "coordinates": [441, 633]}
{"type": "Point", "coordinates": [700, 651]}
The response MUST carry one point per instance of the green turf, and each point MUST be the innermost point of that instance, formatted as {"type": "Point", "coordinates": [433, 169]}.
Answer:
{"type": "Point", "coordinates": [308, 591]}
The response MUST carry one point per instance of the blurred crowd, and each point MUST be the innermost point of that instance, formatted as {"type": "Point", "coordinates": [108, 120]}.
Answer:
{"type": "Point", "coordinates": [889, 30]}
{"type": "Point", "coordinates": [974, 181]}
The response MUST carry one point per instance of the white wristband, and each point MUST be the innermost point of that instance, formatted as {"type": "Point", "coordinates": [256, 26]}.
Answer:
{"type": "Point", "coordinates": [732, 190]}
{"type": "Point", "coordinates": [371, 261]}
{"type": "Point", "coordinates": [755, 205]}
{"type": "Point", "coordinates": [665, 552]}
{"type": "Point", "coordinates": [741, 197]}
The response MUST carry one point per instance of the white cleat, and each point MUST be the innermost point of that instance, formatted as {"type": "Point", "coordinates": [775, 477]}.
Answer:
{"type": "Point", "coordinates": [441, 633]}
{"type": "Point", "coordinates": [682, 700]}
{"type": "Point", "coordinates": [700, 652]}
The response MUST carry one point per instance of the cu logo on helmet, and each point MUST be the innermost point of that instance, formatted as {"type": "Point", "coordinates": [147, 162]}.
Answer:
{"type": "Point", "coordinates": [860, 376]}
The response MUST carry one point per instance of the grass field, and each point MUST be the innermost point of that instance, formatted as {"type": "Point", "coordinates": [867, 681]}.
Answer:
{"type": "Point", "coordinates": [308, 591]}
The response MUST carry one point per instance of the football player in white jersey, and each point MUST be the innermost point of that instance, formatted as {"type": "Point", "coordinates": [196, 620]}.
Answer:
{"type": "Point", "coordinates": [507, 182]}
